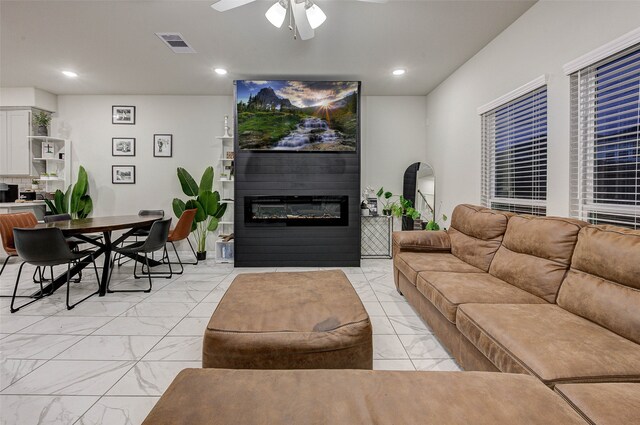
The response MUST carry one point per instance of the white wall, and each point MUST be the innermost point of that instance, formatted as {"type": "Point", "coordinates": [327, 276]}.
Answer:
{"type": "Point", "coordinates": [194, 122]}
{"type": "Point", "coordinates": [28, 96]}
{"type": "Point", "coordinates": [393, 137]}
{"type": "Point", "coordinates": [546, 37]}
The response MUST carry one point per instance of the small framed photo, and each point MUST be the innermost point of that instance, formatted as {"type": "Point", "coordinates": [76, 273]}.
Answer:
{"type": "Point", "coordinates": [123, 146]}
{"type": "Point", "coordinates": [230, 155]}
{"type": "Point", "coordinates": [123, 174]}
{"type": "Point", "coordinates": [373, 206]}
{"type": "Point", "coordinates": [123, 114]}
{"type": "Point", "coordinates": [48, 150]}
{"type": "Point", "coordinates": [163, 145]}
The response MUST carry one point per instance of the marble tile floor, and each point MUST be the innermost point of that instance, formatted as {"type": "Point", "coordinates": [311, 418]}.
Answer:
{"type": "Point", "coordinates": [108, 360]}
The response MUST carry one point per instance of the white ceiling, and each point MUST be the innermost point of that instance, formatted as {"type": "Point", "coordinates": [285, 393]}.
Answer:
{"type": "Point", "coordinates": [113, 47]}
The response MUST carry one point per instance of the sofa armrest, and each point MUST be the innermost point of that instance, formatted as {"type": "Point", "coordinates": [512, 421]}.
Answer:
{"type": "Point", "coordinates": [421, 241]}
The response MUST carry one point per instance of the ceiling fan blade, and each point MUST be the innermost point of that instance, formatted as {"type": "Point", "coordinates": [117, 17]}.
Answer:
{"type": "Point", "coordinates": [224, 5]}
{"type": "Point", "coordinates": [302, 22]}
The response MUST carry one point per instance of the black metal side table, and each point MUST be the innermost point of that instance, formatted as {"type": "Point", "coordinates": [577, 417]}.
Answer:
{"type": "Point", "coordinates": [375, 239]}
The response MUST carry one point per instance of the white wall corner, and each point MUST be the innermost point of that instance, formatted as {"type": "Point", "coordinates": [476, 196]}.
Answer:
{"type": "Point", "coordinates": [514, 94]}
{"type": "Point", "coordinates": [616, 46]}
{"type": "Point", "coordinates": [28, 97]}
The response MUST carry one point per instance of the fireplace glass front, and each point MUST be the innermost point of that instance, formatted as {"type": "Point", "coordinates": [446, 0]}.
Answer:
{"type": "Point", "coordinates": [297, 210]}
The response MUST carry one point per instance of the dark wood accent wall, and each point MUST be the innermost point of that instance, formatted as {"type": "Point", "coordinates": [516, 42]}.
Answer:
{"type": "Point", "coordinates": [297, 173]}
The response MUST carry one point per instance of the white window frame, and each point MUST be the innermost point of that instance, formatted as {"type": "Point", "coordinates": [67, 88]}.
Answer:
{"type": "Point", "coordinates": [487, 189]}
{"type": "Point", "coordinates": [581, 180]}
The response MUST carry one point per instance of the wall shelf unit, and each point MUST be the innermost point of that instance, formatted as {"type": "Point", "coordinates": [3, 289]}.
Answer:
{"type": "Point", "coordinates": [225, 172]}
{"type": "Point", "coordinates": [58, 162]}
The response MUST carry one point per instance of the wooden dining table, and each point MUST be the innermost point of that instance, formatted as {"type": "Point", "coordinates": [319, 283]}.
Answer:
{"type": "Point", "coordinates": [81, 228]}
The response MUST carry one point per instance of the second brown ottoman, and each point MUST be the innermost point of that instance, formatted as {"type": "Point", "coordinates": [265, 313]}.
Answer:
{"type": "Point", "coordinates": [293, 320]}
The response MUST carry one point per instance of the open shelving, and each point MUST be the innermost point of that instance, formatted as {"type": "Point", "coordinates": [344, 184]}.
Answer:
{"type": "Point", "coordinates": [225, 249]}
{"type": "Point", "coordinates": [59, 162]}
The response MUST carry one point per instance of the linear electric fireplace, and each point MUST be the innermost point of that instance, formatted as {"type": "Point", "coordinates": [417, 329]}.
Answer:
{"type": "Point", "coordinates": [296, 210]}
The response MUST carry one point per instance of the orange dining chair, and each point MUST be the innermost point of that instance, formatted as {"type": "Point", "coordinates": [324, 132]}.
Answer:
{"type": "Point", "coordinates": [180, 233]}
{"type": "Point", "coordinates": [7, 223]}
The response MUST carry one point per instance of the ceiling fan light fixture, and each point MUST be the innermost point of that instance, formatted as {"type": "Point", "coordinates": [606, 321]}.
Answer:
{"type": "Point", "coordinates": [316, 16]}
{"type": "Point", "coordinates": [277, 13]}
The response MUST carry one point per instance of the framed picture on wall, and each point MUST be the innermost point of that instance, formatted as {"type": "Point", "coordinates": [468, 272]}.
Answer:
{"type": "Point", "coordinates": [123, 146]}
{"type": "Point", "coordinates": [163, 145]}
{"type": "Point", "coordinates": [123, 174]}
{"type": "Point", "coordinates": [121, 114]}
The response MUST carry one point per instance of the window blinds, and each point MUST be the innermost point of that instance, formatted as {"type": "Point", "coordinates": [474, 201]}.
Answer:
{"type": "Point", "coordinates": [605, 141]}
{"type": "Point", "coordinates": [514, 155]}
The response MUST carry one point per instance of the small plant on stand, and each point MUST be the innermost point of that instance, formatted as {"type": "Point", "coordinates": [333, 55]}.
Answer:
{"type": "Point", "coordinates": [385, 199]}
{"type": "Point", "coordinates": [35, 184]}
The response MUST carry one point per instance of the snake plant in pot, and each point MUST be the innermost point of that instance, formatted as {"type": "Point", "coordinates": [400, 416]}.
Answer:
{"type": "Point", "coordinates": [75, 200]}
{"type": "Point", "coordinates": [203, 198]}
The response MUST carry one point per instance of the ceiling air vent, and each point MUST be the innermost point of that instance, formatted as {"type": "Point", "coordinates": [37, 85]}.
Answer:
{"type": "Point", "coordinates": [175, 42]}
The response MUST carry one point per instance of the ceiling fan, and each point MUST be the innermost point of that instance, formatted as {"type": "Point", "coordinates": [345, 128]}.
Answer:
{"type": "Point", "coordinates": [304, 15]}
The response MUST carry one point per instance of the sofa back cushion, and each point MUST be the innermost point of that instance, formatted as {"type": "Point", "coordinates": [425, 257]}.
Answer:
{"type": "Point", "coordinates": [603, 284]}
{"type": "Point", "coordinates": [535, 254]}
{"type": "Point", "coordinates": [476, 233]}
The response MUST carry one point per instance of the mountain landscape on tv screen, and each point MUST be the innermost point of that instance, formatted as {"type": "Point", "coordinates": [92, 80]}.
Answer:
{"type": "Point", "coordinates": [297, 115]}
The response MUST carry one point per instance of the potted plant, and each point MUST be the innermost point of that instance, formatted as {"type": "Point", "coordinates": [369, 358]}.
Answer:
{"type": "Point", "coordinates": [75, 200]}
{"type": "Point", "coordinates": [44, 176]}
{"type": "Point", "coordinates": [41, 120]}
{"type": "Point", "coordinates": [206, 201]}
{"type": "Point", "coordinates": [385, 201]}
{"type": "Point", "coordinates": [433, 223]}
{"type": "Point", "coordinates": [404, 208]}
{"type": "Point", "coordinates": [35, 184]}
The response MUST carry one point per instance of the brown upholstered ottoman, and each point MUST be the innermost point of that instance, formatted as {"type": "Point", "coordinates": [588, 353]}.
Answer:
{"type": "Point", "coordinates": [304, 320]}
{"type": "Point", "coordinates": [273, 397]}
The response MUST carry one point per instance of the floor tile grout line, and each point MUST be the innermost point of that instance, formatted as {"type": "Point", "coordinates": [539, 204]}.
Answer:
{"type": "Point", "coordinates": [387, 317]}
{"type": "Point", "coordinates": [135, 364]}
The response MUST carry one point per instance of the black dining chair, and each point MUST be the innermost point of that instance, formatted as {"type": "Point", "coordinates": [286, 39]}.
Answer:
{"type": "Point", "coordinates": [47, 247]}
{"type": "Point", "coordinates": [156, 240]}
{"type": "Point", "coordinates": [142, 232]}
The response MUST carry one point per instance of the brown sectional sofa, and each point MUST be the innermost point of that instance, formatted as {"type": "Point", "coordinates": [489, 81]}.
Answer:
{"type": "Point", "coordinates": [551, 297]}
{"type": "Point", "coordinates": [268, 397]}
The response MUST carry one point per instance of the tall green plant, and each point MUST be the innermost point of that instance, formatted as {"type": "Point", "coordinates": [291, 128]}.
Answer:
{"type": "Point", "coordinates": [75, 200]}
{"type": "Point", "coordinates": [205, 200]}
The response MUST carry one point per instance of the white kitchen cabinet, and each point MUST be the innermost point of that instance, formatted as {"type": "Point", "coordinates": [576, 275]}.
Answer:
{"type": "Point", "coordinates": [15, 128]}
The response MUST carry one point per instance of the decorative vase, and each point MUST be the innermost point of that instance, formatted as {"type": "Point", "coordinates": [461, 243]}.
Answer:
{"type": "Point", "coordinates": [386, 212]}
{"type": "Point", "coordinates": [201, 255]}
{"type": "Point", "coordinates": [42, 130]}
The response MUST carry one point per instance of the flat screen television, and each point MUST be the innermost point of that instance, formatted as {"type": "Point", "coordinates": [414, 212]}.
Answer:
{"type": "Point", "coordinates": [304, 116]}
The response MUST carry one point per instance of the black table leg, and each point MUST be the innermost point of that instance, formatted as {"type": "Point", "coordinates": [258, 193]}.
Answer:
{"type": "Point", "coordinates": [106, 268]}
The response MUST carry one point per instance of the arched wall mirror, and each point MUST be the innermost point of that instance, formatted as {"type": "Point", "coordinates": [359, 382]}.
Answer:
{"type": "Point", "coordinates": [419, 187]}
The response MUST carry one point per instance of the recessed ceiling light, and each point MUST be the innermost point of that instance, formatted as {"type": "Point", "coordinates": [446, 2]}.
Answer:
{"type": "Point", "coordinates": [70, 74]}
{"type": "Point", "coordinates": [220, 71]}
{"type": "Point", "coordinates": [399, 71]}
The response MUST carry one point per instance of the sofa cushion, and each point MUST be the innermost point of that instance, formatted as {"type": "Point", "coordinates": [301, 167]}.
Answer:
{"type": "Point", "coordinates": [604, 282]}
{"type": "Point", "coordinates": [536, 253]}
{"type": "Point", "coordinates": [283, 397]}
{"type": "Point", "coordinates": [448, 290]}
{"type": "Point", "coordinates": [548, 342]}
{"type": "Point", "coordinates": [476, 234]}
{"type": "Point", "coordinates": [411, 263]}
{"type": "Point", "coordinates": [604, 404]}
